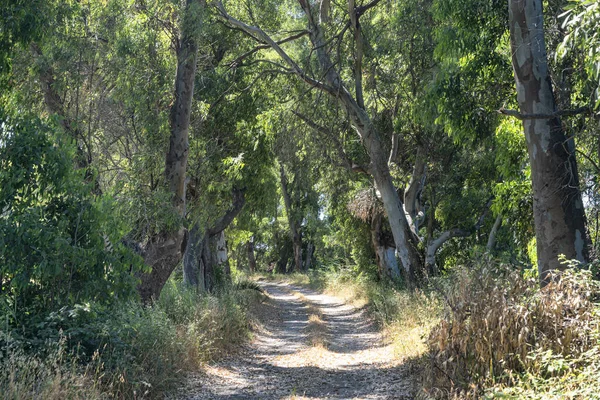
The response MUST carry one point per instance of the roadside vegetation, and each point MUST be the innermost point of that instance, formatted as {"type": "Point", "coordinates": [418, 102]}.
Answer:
{"type": "Point", "coordinates": [433, 161]}
{"type": "Point", "coordinates": [484, 331]}
{"type": "Point", "coordinates": [125, 350]}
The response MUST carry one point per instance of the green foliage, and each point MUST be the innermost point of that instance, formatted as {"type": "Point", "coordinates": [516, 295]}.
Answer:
{"type": "Point", "coordinates": [52, 249]}
{"type": "Point", "coordinates": [581, 20]}
{"type": "Point", "coordinates": [124, 350]}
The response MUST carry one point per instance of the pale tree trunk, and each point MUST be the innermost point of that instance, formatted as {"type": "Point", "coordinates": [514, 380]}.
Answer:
{"type": "Point", "coordinates": [222, 260]}
{"type": "Point", "coordinates": [557, 206]}
{"type": "Point", "coordinates": [433, 245]}
{"type": "Point", "coordinates": [251, 257]}
{"type": "Point", "coordinates": [404, 238]}
{"type": "Point", "coordinates": [412, 203]}
{"type": "Point", "coordinates": [385, 254]}
{"type": "Point", "coordinates": [491, 243]}
{"type": "Point", "coordinates": [294, 229]}
{"type": "Point", "coordinates": [333, 85]}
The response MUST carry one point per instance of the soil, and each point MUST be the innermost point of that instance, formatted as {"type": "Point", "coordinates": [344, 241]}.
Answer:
{"type": "Point", "coordinates": [309, 346]}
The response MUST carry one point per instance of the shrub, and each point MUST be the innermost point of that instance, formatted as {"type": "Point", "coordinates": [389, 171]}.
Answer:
{"type": "Point", "coordinates": [498, 324]}
{"type": "Point", "coordinates": [125, 350]}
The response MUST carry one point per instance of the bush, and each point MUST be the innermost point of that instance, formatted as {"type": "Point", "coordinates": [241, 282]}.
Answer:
{"type": "Point", "coordinates": [52, 249]}
{"type": "Point", "coordinates": [125, 350]}
{"type": "Point", "coordinates": [499, 325]}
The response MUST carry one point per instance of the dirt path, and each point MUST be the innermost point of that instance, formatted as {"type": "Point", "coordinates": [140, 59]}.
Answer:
{"type": "Point", "coordinates": [312, 346]}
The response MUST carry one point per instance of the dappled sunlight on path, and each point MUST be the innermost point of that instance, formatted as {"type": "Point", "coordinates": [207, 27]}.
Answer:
{"type": "Point", "coordinates": [310, 346]}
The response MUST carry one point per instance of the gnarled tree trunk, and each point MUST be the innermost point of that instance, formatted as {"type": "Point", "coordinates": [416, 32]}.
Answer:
{"type": "Point", "coordinates": [164, 251]}
{"type": "Point", "coordinates": [558, 212]}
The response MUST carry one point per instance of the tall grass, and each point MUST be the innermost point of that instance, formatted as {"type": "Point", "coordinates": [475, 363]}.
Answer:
{"type": "Point", "coordinates": [126, 352]}
{"type": "Point", "coordinates": [502, 335]}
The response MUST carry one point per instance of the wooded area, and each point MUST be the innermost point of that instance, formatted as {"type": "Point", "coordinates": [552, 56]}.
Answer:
{"type": "Point", "coordinates": [156, 155]}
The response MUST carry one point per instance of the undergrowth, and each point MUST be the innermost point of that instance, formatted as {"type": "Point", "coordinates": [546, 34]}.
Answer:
{"type": "Point", "coordinates": [503, 336]}
{"type": "Point", "coordinates": [125, 352]}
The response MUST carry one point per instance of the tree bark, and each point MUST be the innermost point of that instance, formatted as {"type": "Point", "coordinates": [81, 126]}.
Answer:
{"type": "Point", "coordinates": [192, 273]}
{"type": "Point", "coordinates": [222, 257]}
{"type": "Point", "coordinates": [164, 251]}
{"type": "Point", "coordinates": [251, 257]}
{"type": "Point", "coordinates": [294, 231]}
{"type": "Point", "coordinates": [557, 206]}
{"type": "Point", "coordinates": [491, 243]}
{"type": "Point", "coordinates": [412, 203]}
{"type": "Point", "coordinates": [387, 264]}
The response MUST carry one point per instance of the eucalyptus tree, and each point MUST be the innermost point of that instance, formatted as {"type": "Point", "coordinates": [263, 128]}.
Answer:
{"type": "Point", "coordinates": [325, 27]}
{"type": "Point", "coordinates": [557, 205]}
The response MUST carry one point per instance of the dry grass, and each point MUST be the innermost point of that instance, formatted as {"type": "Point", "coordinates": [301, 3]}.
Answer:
{"type": "Point", "coordinates": [317, 328]}
{"type": "Point", "coordinates": [500, 327]}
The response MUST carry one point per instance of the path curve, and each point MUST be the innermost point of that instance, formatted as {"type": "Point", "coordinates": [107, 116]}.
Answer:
{"type": "Point", "coordinates": [311, 346]}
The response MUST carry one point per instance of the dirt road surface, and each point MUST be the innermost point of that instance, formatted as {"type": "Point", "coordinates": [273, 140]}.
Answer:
{"type": "Point", "coordinates": [310, 346]}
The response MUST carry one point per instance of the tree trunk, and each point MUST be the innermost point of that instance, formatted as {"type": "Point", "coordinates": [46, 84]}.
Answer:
{"type": "Point", "coordinates": [404, 238]}
{"type": "Point", "coordinates": [412, 194]}
{"type": "Point", "coordinates": [557, 206]}
{"type": "Point", "coordinates": [192, 275]}
{"type": "Point", "coordinates": [164, 252]}
{"type": "Point", "coordinates": [333, 85]}
{"type": "Point", "coordinates": [310, 248]}
{"type": "Point", "coordinates": [206, 250]}
{"type": "Point", "coordinates": [491, 243]}
{"type": "Point", "coordinates": [294, 232]}
{"type": "Point", "coordinates": [222, 260]}
{"type": "Point", "coordinates": [385, 254]}
{"type": "Point", "coordinates": [251, 258]}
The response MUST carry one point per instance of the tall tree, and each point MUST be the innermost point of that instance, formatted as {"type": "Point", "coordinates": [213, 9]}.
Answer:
{"type": "Point", "coordinates": [328, 80]}
{"type": "Point", "coordinates": [557, 205]}
{"type": "Point", "coordinates": [165, 249]}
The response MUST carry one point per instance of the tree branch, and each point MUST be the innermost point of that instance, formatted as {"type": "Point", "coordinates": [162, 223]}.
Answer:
{"type": "Point", "coordinates": [561, 113]}
{"type": "Point", "coordinates": [260, 34]}
{"type": "Point", "coordinates": [361, 10]}
{"type": "Point", "coordinates": [358, 56]}
{"type": "Point", "coordinates": [348, 163]}
{"type": "Point", "coordinates": [239, 199]}
{"type": "Point", "coordinates": [247, 54]}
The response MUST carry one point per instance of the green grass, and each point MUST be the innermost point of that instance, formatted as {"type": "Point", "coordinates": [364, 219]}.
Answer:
{"type": "Point", "coordinates": [128, 351]}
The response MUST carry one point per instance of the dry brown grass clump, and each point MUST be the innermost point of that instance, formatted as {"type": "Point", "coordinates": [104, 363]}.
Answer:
{"type": "Point", "coordinates": [316, 328]}
{"type": "Point", "coordinates": [496, 319]}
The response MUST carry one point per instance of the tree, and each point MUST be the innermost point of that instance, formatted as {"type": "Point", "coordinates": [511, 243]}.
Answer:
{"type": "Point", "coordinates": [165, 249]}
{"type": "Point", "coordinates": [333, 85]}
{"type": "Point", "coordinates": [557, 206]}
